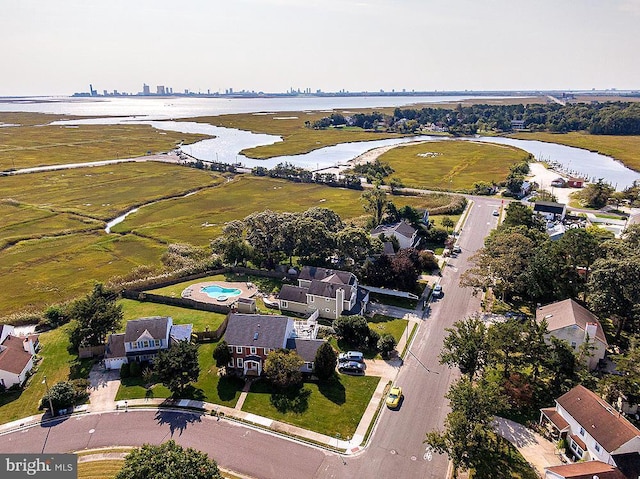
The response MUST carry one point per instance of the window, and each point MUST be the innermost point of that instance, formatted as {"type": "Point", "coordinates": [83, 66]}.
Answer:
{"type": "Point", "coordinates": [577, 449]}
{"type": "Point", "coordinates": [309, 365]}
{"type": "Point", "coordinates": [285, 304]}
{"type": "Point", "coordinates": [582, 432]}
{"type": "Point", "coordinates": [312, 299]}
{"type": "Point", "coordinates": [573, 344]}
{"type": "Point", "coordinates": [145, 344]}
{"type": "Point", "coordinates": [239, 349]}
{"type": "Point", "coordinates": [231, 363]}
{"type": "Point", "coordinates": [134, 345]}
{"type": "Point", "coordinates": [253, 350]}
{"type": "Point", "coordinates": [597, 447]}
{"type": "Point", "coordinates": [158, 342]}
{"type": "Point", "coordinates": [231, 349]}
{"type": "Point", "coordinates": [240, 362]}
{"type": "Point", "coordinates": [266, 350]}
{"type": "Point", "coordinates": [327, 299]}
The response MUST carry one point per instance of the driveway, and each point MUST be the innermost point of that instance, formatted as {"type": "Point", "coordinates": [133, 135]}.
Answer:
{"type": "Point", "coordinates": [103, 389]}
{"type": "Point", "coordinates": [538, 452]}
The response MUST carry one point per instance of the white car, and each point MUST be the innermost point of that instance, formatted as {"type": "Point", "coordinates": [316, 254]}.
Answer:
{"type": "Point", "coordinates": [437, 291]}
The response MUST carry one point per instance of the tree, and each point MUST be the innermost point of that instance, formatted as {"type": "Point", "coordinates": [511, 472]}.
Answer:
{"type": "Point", "coordinates": [177, 366]}
{"type": "Point", "coordinates": [595, 195]}
{"type": "Point", "coordinates": [282, 368]}
{"type": "Point", "coordinates": [327, 217]}
{"type": "Point", "coordinates": [375, 201]}
{"type": "Point", "coordinates": [386, 344]}
{"type": "Point", "coordinates": [168, 460]}
{"type": "Point", "coordinates": [517, 214]}
{"type": "Point", "coordinates": [325, 361]}
{"type": "Point", "coordinates": [447, 223]}
{"type": "Point", "coordinates": [94, 317]}
{"type": "Point", "coordinates": [468, 437]}
{"type": "Point", "coordinates": [263, 234]}
{"type": "Point", "coordinates": [65, 394]}
{"type": "Point", "coordinates": [353, 330]}
{"type": "Point", "coordinates": [314, 242]}
{"type": "Point", "coordinates": [466, 346]}
{"type": "Point", "coordinates": [353, 243]}
{"type": "Point", "coordinates": [221, 354]}
{"type": "Point", "coordinates": [507, 345]}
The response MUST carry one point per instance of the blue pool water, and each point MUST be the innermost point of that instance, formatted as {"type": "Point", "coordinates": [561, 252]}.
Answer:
{"type": "Point", "coordinates": [220, 293]}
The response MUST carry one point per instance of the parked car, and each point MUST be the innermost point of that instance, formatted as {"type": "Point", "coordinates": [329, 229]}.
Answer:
{"type": "Point", "coordinates": [393, 399]}
{"type": "Point", "coordinates": [356, 356]}
{"type": "Point", "coordinates": [456, 249]}
{"type": "Point", "coordinates": [351, 367]}
{"type": "Point", "coordinates": [495, 213]}
{"type": "Point", "coordinates": [437, 291]}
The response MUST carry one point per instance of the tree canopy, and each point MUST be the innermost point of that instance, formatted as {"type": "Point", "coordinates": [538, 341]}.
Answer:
{"type": "Point", "coordinates": [94, 317]}
{"type": "Point", "coordinates": [168, 460]}
{"type": "Point", "coordinates": [282, 368]}
{"type": "Point", "coordinates": [177, 366]}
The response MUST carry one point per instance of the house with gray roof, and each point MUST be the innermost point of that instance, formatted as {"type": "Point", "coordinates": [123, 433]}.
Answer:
{"type": "Point", "coordinates": [332, 293]}
{"type": "Point", "coordinates": [406, 234]}
{"type": "Point", "coordinates": [251, 337]}
{"type": "Point", "coordinates": [143, 339]}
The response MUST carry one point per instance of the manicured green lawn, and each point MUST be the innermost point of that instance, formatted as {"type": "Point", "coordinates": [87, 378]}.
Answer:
{"type": "Point", "coordinates": [386, 324]}
{"type": "Point", "coordinates": [106, 469]}
{"type": "Point", "coordinates": [209, 388]}
{"type": "Point", "coordinates": [331, 408]}
{"type": "Point", "coordinates": [57, 364]}
{"type": "Point", "coordinates": [451, 165]}
{"type": "Point", "coordinates": [200, 319]}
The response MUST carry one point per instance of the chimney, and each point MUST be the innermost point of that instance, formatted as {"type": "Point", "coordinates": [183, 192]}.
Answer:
{"type": "Point", "coordinates": [590, 330]}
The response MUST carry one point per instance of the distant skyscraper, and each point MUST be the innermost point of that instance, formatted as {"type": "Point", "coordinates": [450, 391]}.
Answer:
{"type": "Point", "coordinates": [92, 91]}
{"type": "Point", "coordinates": [145, 89]}
{"type": "Point", "coordinates": [160, 90]}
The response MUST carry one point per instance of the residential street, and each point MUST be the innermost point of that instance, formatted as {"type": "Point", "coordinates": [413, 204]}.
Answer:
{"type": "Point", "coordinates": [395, 449]}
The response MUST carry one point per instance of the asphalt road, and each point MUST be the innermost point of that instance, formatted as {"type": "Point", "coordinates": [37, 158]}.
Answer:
{"type": "Point", "coordinates": [396, 448]}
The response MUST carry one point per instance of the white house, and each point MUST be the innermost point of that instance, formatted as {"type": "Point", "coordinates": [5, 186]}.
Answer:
{"type": "Point", "coordinates": [142, 340]}
{"type": "Point", "coordinates": [593, 430]}
{"type": "Point", "coordinates": [330, 292]}
{"type": "Point", "coordinates": [406, 234]}
{"type": "Point", "coordinates": [16, 356]}
{"type": "Point", "coordinates": [569, 321]}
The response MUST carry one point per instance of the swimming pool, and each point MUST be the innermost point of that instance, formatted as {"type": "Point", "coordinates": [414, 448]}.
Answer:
{"type": "Point", "coordinates": [220, 293]}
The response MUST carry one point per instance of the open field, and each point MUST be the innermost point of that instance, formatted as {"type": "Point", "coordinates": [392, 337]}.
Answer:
{"type": "Point", "coordinates": [335, 406]}
{"type": "Point", "coordinates": [38, 273]}
{"type": "Point", "coordinates": [623, 148]}
{"type": "Point", "coordinates": [291, 127]}
{"type": "Point", "coordinates": [103, 192]}
{"type": "Point", "coordinates": [37, 143]}
{"type": "Point", "coordinates": [451, 165]}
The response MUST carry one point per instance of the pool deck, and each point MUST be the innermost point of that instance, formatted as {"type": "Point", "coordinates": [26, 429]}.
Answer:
{"type": "Point", "coordinates": [194, 291]}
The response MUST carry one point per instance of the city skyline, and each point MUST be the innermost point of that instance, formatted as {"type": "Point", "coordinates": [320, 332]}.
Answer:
{"type": "Point", "coordinates": [59, 47]}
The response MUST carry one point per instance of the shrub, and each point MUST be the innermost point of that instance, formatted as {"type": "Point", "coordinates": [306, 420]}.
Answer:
{"type": "Point", "coordinates": [134, 369]}
{"type": "Point", "coordinates": [386, 344]}
{"type": "Point", "coordinates": [125, 371]}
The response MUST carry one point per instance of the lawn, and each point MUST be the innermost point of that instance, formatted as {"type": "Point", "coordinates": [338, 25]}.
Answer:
{"type": "Point", "coordinates": [36, 143]}
{"type": "Point", "coordinates": [200, 319]}
{"type": "Point", "coordinates": [331, 408]}
{"type": "Point", "coordinates": [209, 388]}
{"type": "Point", "coordinates": [57, 364]}
{"type": "Point", "coordinates": [623, 148]}
{"type": "Point", "coordinates": [106, 469]}
{"type": "Point", "coordinates": [297, 138]}
{"type": "Point", "coordinates": [388, 325]}
{"type": "Point", "coordinates": [451, 165]}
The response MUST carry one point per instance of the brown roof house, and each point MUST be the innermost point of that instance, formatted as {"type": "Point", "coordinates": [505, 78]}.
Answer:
{"type": "Point", "coordinates": [584, 470]}
{"type": "Point", "coordinates": [251, 337]}
{"type": "Point", "coordinates": [143, 339]}
{"type": "Point", "coordinates": [569, 321]}
{"type": "Point", "coordinates": [16, 356]}
{"type": "Point", "coordinates": [594, 431]}
{"type": "Point", "coordinates": [330, 293]}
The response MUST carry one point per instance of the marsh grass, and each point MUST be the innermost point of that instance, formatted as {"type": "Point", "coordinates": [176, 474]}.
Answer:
{"type": "Point", "coordinates": [451, 165]}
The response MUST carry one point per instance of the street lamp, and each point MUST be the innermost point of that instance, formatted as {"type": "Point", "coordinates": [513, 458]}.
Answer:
{"type": "Point", "coordinates": [53, 413]}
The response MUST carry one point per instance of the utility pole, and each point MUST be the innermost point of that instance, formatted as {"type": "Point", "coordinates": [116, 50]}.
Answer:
{"type": "Point", "coordinates": [53, 413]}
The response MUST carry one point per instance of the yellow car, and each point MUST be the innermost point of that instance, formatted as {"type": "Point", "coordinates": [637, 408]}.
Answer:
{"type": "Point", "coordinates": [393, 399]}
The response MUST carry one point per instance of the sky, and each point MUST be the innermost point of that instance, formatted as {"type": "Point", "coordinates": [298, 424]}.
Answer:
{"type": "Point", "coordinates": [58, 47]}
